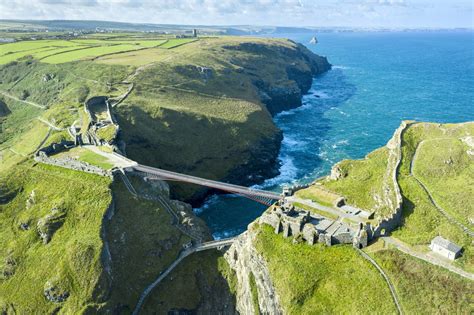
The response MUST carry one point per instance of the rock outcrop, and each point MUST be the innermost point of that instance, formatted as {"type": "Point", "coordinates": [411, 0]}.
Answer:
{"type": "Point", "coordinates": [245, 261]}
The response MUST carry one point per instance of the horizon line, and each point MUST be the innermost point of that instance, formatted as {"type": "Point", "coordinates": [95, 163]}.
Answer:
{"type": "Point", "coordinates": [471, 27]}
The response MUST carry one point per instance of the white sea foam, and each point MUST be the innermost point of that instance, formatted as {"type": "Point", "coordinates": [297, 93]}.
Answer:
{"type": "Point", "coordinates": [340, 67]}
{"type": "Point", "coordinates": [226, 234]}
{"type": "Point", "coordinates": [343, 142]}
{"type": "Point", "coordinates": [288, 173]}
{"type": "Point", "coordinates": [210, 201]}
{"type": "Point", "coordinates": [292, 144]}
{"type": "Point", "coordinates": [343, 113]}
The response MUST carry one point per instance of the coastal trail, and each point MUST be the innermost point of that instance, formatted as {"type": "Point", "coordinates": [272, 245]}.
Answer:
{"type": "Point", "coordinates": [450, 218]}
{"type": "Point", "coordinates": [426, 257]}
{"type": "Point", "coordinates": [185, 253]}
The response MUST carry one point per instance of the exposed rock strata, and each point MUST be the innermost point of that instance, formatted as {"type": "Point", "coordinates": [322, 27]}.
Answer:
{"type": "Point", "coordinates": [244, 260]}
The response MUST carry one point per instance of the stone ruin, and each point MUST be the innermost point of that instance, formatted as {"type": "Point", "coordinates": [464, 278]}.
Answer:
{"type": "Point", "coordinates": [44, 156]}
{"type": "Point", "coordinates": [291, 221]}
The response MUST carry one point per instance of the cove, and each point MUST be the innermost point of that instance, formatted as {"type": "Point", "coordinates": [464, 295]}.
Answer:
{"type": "Point", "coordinates": [378, 79]}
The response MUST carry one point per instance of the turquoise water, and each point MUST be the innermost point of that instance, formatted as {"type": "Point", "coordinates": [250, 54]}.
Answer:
{"type": "Point", "coordinates": [378, 80]}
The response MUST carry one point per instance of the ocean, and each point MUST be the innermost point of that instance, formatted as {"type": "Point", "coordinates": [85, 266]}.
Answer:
{"type": "Point", "coordinates": [378, 79]}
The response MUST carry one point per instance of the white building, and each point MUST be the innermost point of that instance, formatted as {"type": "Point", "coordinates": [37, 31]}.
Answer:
{"type": "Point", "coordinates": [445, 248]}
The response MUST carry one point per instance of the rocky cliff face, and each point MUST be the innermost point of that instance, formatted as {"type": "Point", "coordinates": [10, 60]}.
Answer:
{"type": "Point", "coordinates": [288, 94]}
{"type": "Point", "coordinates": [277, 95]}
{"type": "Point", "coordinates": [252, 273]}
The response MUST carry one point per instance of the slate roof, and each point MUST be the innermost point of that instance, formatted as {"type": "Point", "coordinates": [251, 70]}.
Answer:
{"type": "Point", "coordinates": [442, 242]}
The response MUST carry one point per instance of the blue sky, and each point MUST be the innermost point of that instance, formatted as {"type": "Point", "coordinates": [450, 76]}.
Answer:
{"type": "Point", "coordinates": [353, 13]}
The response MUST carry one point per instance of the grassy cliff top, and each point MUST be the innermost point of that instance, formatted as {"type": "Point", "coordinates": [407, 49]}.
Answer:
{"type": "Point", "coordinates": [200, 109]}
{"type": "Point", "coordinates": [334, 279]}
{"type": "Point", "coordinates": [439, 157]}
{"type": "Point", "coordinates": [185, 92]}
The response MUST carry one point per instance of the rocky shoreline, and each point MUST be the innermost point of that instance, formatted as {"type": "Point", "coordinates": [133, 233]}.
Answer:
{"type": "Point", "coordinates": [263, 162]}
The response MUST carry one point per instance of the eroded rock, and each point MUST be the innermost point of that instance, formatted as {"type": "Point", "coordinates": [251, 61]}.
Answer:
{"type": "Point", "coordinates": [54, 293]}
{"type": "Point", "coordinates": [49, 224]}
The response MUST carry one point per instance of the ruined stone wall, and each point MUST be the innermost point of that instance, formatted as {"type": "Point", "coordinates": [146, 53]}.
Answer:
{"type": "Point", "coordinates": [73, 164]}
{"type": "Point", "coordinates": [394, 219]}
{"type": "Point", "coordinates": [44, 155]}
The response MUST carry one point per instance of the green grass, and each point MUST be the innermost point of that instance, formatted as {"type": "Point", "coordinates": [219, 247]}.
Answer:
{"type": "Point", "coordinates": [254, 292]}
{"type": "Point", "coordinates": [87, 156]}
{"type": "Point", "coordinates": [172, 43]}
{"type": "Point", "coordinates": [71, 259]}
{"type": "Point", "coordinates": [421, 220]}
{"type": "Point", "coordinates": [319, 195]}
{"type": "Point", "coordinates": [107, 133]}
{"type": "Point", "coordinates": [61, 51]}
{"type": "Point", "coordinates": [362, 185]}
{"type": "Point", "coordinates": [202, 282]}
{"type": "Point", "coordinates": [423, 288]}
{"type": "Point", "coordinates": [88, 53]}
{"type": "Point", "coordinates": [319, 279]}
{"type": "Point", "coordinates": [317, 211]}
{"type": "Point", "coordinates": [448, 175]}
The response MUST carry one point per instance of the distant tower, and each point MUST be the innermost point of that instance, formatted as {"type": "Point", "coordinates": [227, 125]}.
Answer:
{"type": "Point", "coordinates": [195, 32]}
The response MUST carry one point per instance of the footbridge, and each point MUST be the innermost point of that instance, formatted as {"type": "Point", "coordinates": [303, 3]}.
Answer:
{"type": "Point", "coordinates": [261, 196]}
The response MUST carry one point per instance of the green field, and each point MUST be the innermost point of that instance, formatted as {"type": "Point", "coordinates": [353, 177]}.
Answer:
{"type": "Point", "coordinates": [424, 288]}
{"type": "Point", "coordinates": [361, 184]}
{"type": "Point", "coordinates": [62, 51]}
{"type": "Point", "coordinates": [172, 43]}
{"type": "Point", "coordinates": [87, 156]}
{"type": "Point", "coordinates": [322, 280]}
{"type": "Point", "coordinates": [71, 259]}
{"type": "Point", "coordinates": [421, 220]}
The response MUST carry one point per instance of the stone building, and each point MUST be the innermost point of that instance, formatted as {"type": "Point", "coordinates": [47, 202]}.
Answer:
{"type": "Point", "coordinates": [445, 248]}
{"type": "Point", "coordinates": [291, 221]}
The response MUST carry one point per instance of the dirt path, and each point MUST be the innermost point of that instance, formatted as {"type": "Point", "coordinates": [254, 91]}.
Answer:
{"type": "Point", "coordinates": [427, 257]}
{"type": "Point", "coordinates": [185, 253]}
{"type": "Point", "coordinates": [22, 101]}
{"type": "Point", "coordinates": [50, 124]}
{"type": "Point", "coordinates": [437, 206]}
{"type": "Point", "coordinates": [384, 275]}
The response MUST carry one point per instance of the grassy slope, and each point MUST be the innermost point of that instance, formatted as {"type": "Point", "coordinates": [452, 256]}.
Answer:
{"type": "Point", "coordinates": [72, 258]}
{"type": "Point", "coordinates": [361, 184]}
{"type": "Point", "coordinates": [320, 279]}
{"type": "Point", "coordinates": [142, 243]}
{"type": "Point", "coordinates": [423, 288]}
{"type": "Point", "coordinates": [215, 120]}
{"type": "Point", "coordinates": [448, 175]}
{"type": "Point", "coordinates": [190, 284]}
{"type": "Point", "coordinates": [421, 220]}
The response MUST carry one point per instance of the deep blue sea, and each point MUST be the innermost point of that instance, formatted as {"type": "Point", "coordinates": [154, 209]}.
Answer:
{"type": "Point", "coordinates": [377, 80]}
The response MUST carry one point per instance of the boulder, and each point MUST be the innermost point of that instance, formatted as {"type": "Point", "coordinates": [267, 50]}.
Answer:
{"type": "Point", "coordinates": [54, 294]}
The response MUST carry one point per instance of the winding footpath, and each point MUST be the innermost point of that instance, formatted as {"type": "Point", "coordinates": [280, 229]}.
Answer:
{"type": "Point", "coordinates": [384, 275]}
{"type": "Point", "coordinates": [438, 207]}
{"type": "Point", "coordinates": [22, 101]}
{"type": "Point", "coordinates": [185, 253]}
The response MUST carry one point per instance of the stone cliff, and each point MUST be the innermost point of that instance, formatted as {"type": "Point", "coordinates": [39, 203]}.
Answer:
{"type": "Point", "coordinates": [215, 108]}
{"type": "Point", "coordinates": [254, 288]}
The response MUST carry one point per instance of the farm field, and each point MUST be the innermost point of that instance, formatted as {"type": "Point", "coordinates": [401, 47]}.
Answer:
{"type": "Point", "coordinates": [62, 51]}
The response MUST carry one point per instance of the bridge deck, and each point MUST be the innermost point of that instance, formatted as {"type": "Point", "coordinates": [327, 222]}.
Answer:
{"type": "Point", "coordinates": [168, 175]}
